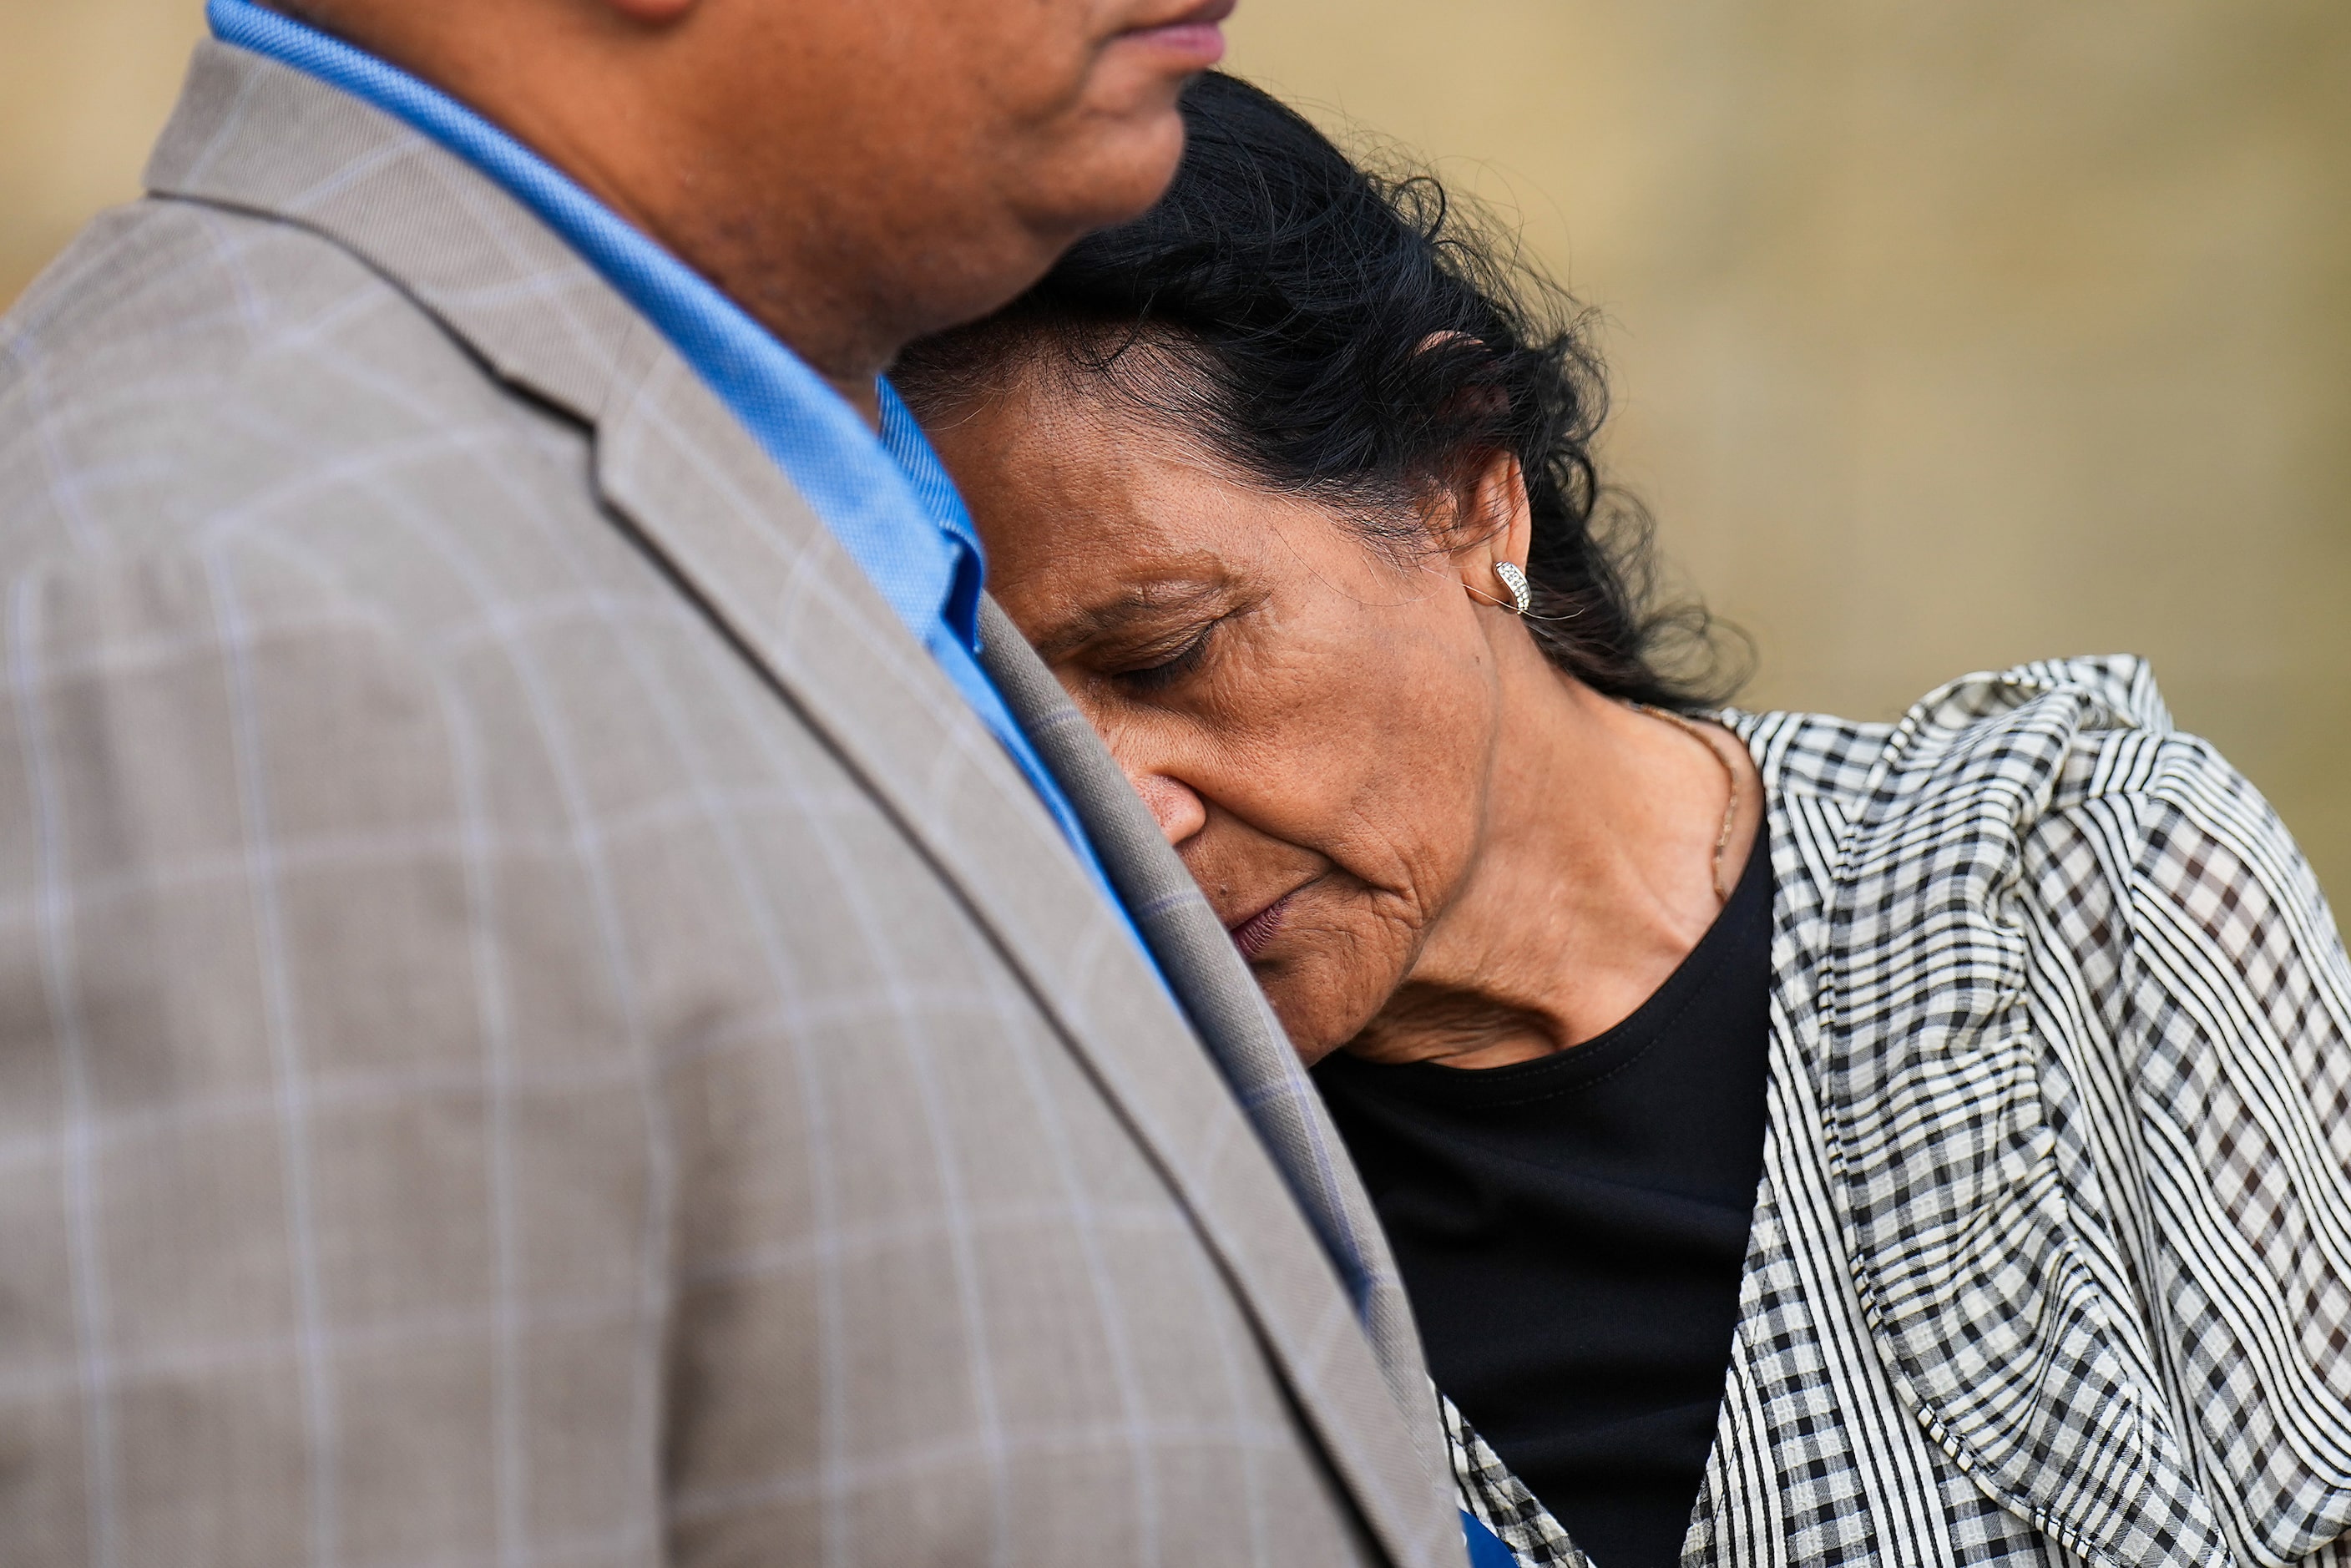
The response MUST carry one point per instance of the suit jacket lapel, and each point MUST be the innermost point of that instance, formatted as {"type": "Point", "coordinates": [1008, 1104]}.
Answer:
{"type": "Point", "coordinates": [1217, 989]}
{"type": "Point", "coordinates": [708, 505]}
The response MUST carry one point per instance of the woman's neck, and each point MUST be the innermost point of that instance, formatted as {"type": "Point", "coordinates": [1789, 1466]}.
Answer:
{"type": "Point", "coordinates": [1594, 878]}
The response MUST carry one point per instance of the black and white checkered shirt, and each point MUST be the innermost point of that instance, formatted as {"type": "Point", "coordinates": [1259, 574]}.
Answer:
{"type": "Point", "coordinates": [2051, 1257]}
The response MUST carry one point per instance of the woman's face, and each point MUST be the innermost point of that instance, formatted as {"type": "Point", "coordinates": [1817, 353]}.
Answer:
{"type": "Point", "coordinates": [1310, 716]}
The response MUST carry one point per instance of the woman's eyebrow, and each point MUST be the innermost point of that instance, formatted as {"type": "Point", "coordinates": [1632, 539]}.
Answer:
{"type": "Point", "coordinates": [1136, 603]}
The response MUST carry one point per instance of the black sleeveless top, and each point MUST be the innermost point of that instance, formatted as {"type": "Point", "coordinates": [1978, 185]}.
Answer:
{"type": "Point", "coordinates": [1571, 1232]}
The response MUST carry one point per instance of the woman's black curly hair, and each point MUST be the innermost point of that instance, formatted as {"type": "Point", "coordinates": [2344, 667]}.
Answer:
{"type": "Point", "coordinates": [1338, 334]}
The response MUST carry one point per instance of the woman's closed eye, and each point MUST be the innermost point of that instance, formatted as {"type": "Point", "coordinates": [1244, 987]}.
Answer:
{"type": "Point", "coordinates": [1159, 671]}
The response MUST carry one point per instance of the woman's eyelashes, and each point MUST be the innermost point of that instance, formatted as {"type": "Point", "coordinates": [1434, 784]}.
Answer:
{"type": "Point", "coordinates": [1158, 674]}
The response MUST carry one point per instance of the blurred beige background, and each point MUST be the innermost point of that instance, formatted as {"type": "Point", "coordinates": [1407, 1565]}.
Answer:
{"type": "Point", "coordinates": [1944, 336]}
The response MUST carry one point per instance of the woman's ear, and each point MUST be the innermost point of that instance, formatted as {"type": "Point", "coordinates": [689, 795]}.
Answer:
{"type": "Point", "coordinates": [1495, 524]}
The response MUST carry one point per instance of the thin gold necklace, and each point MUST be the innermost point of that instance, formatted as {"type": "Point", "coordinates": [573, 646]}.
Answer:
{"type": "Point", "coordinates": [1730, 813]}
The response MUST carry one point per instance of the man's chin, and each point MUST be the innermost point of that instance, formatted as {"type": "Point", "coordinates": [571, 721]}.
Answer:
{"type": "Point", "coordinates": [1122, 178]}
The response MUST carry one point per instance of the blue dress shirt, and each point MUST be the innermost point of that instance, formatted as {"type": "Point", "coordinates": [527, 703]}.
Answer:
{"type": "Point", "coordinates": [886, 498]}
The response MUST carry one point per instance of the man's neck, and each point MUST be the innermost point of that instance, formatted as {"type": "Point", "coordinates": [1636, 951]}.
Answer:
{"type": "Point", "coordinates": [582, 86]}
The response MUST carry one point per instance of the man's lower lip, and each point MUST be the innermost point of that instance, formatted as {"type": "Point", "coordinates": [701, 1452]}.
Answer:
{"type": "Point", "coordinates": [1199, 44]}
{"type": "Point", "coordinates": [1252, 935]}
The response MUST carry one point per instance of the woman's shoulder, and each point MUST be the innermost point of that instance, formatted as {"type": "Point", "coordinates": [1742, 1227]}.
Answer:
{"type": "Point", "coordinates": [2063, 948]}
{"type": "Point", "coordinates": [2061, 784]}
{"type": "Point", "coordinates": [2045, 738]}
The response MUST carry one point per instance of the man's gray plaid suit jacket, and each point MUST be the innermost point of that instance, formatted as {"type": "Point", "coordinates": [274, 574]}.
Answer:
{"type": "Point", "coordinates": [535, 1026]}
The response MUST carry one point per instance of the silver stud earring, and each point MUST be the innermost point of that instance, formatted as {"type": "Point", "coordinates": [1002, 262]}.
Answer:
{"type": "Point", "coordinates": [1523, 595]}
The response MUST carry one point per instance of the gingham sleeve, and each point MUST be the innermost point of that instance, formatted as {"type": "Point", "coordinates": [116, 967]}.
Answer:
{"type": "Point", "coordinates": [1501, 1503]}
{"type": "Point", "coordinates": [2231, 997]}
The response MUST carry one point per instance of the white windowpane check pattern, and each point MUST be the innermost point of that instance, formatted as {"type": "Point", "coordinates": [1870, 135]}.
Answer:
{"type": "Point", "coordinates": [536, 1028]}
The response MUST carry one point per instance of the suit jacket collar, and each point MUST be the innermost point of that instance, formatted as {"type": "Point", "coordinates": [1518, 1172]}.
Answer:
{"type": "Point", "coordinates": [684, 477]}
{"type": "Point", "coordinates": [1198, 956]}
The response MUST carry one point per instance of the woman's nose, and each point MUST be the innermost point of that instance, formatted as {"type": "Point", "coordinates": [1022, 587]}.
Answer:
{"type": "Point", "coordinates": [1178, 809]}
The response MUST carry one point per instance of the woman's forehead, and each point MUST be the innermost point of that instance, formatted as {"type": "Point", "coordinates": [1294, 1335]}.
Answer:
{"type": "Point", "coordinates": [1060, 477]}
{"type": "Point", "coordinates": [1094, 512]}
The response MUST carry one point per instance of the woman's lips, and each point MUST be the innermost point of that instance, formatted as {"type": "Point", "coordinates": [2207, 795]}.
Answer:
{"type": "Point", "coordinates": [1252, 935]}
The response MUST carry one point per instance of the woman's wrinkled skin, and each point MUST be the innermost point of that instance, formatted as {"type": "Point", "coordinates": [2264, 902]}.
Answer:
{"type": "Point", "coordinates": [1428, 843]}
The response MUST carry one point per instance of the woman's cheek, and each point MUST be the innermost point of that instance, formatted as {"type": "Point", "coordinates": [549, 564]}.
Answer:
{"type": "Point", "coordinates": [1324, 1001]}
{"type": "Point", "coordinates": [1345, 967]}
